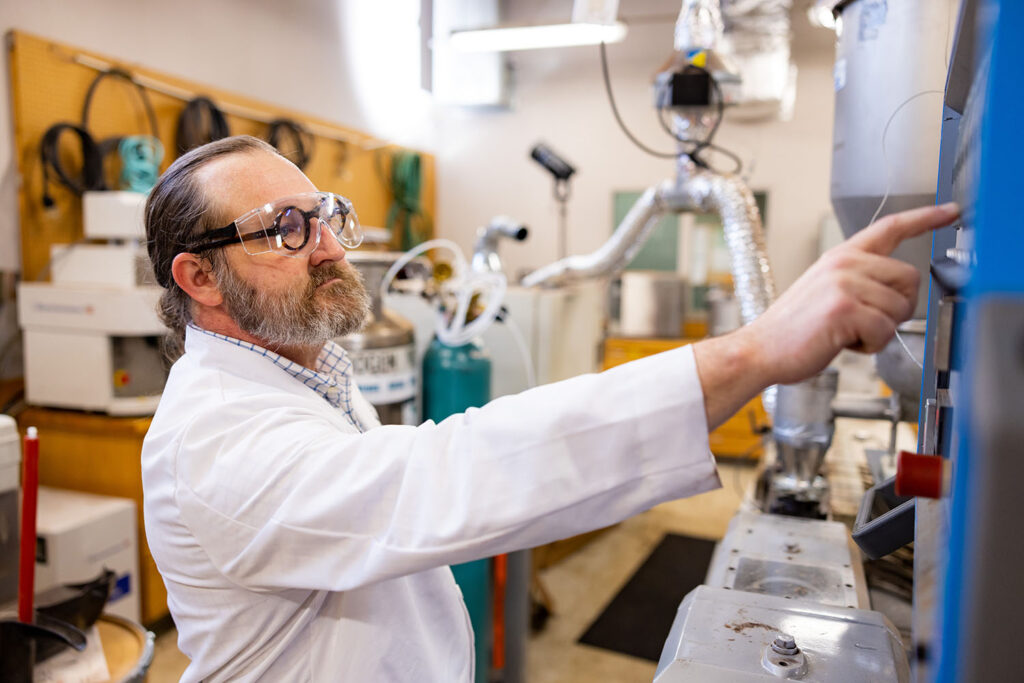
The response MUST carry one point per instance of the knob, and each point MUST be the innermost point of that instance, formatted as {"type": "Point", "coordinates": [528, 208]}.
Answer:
{"type": "Point", "coordinates": [925, 476]}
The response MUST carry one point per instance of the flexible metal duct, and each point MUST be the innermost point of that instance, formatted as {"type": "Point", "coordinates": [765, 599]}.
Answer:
{"type": "Point", "coordinates": [726, 195]}
{"type": "Point", "coordinates": [614, 254]}
{"type": "Point", "coordinates": [699, 26]}
{"type": "Point", "coordinates": [748, 50]}
{"type": "Point", "coordinates": [695, 189]}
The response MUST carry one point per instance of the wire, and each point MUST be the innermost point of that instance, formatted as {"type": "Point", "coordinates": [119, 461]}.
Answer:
{"type": "Point", "coordinates": [524, 350]}
{"type": "Point", "coordinates": [889, 179]}
{"type": "Point", "coordinates": [618, 118]}
{"type": "Point", "coordinates": [694, 155]}
{"type": "Point", "coordinates": [707, 142]}
{"type": "Point", "coordinates": [885, 156]}
{"type": "Point", "coordinates": [91, 175]}
{"type": "Point", "coordinates": [200, 122]}
{"type": "Point", "coordinates": [699, 145]}
{"type": "Point", "coordinates": [906, 348]}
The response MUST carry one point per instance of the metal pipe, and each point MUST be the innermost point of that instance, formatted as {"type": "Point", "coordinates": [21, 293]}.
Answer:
{"type": "Point", "coordinates": [485, 251]}
{"type": "Point", "coordinates": [730, 198]}
{"type": "Point", "coordinates": [614, 254]}
{"type": "Point", "coordinates": [699, 25]}
{"type": "Point", "coordinates": [874, 408]}
{"type": "Point", "coordinates": [696, 189]}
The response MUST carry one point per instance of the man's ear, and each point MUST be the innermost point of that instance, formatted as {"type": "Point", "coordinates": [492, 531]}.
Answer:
{"type": "Point", "coordinates": [196, 279]}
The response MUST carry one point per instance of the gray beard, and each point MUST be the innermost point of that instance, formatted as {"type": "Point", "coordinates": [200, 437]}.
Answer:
{"type": "Point", "coordinates": [301, 316]}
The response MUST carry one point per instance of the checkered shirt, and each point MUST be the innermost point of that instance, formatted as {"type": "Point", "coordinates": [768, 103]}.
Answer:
{"type": "Point", "coordinates": [332, 378]}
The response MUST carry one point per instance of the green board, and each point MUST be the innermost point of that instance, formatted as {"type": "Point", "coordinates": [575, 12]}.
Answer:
{"type": "Point", "coordinates": [660, 251]}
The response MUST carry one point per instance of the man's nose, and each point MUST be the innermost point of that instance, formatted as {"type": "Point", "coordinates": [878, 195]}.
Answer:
{"type": "Point", "coordinates": [329, 249]}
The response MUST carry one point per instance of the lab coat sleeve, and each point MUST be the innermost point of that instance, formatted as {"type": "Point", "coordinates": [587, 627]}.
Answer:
{"type": "Point", "coordinates": [283, 498]}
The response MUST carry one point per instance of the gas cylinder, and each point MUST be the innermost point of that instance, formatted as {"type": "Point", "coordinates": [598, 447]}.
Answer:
{"type": "Point", "coordinates": [455, 379]}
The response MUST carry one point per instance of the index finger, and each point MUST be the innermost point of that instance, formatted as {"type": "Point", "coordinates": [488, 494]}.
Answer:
{"type": "Point", "coordinates": [883, 236]}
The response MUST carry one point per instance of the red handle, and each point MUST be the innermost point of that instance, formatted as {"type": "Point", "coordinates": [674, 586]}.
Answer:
{"type": "Point", "coordinates": [925, 476]}
{"type": "Point", "coordinates": [29, 502]}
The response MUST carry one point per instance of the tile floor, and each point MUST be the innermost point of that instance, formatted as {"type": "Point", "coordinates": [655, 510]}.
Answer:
{"type": "Point", "coordinates": [581, 586]}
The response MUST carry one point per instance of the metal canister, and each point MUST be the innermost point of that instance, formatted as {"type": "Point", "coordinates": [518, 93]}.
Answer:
{"type": "Point", "coordinates": [383, 353]}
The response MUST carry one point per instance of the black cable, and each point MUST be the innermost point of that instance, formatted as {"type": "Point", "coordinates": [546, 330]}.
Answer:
{"type": "Point", "coordinates": [124, 75]}
{"type": "Point", "coordinates": [700, 146]}
{"type": "Point", "coordinates": [706, 143]}
{"type": "Point", "coordinates": [91, 175]}
{"type": "Point", "coordinates": [302, 140]}
{"type": "Point", "coordinates": [110, 146]}
{"type": "Point", "coordinates": [199, 123]}
{"type": "Point", "coordinates": [615, 111]}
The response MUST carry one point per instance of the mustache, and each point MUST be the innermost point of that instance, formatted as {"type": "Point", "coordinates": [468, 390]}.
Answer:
{"type": "Point", "coordinates": [325, 273]}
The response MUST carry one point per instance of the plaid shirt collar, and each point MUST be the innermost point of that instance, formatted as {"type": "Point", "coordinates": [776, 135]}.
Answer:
{"type": "Point", "coordinates": [332, 379]}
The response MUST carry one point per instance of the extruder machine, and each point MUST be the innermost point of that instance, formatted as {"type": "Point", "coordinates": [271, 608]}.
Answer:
{"type": "Point", "coordinates": [785, 594]}
{"type": "Point", "coordinates": [968, 537]}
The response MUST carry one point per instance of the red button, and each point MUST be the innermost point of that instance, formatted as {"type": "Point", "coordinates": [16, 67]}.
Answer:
{"type": "Point", "coordinates": [926, 476]}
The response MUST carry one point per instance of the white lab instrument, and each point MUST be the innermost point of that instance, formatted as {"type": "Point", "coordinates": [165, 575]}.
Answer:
{"type": "Point", "coordinates": [78, 535]}
{"type": "Point", "coordinates": [92, 334]}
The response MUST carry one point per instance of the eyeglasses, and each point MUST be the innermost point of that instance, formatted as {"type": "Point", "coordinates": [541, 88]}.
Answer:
{"type": "Point", "coordinates": [286, 226]}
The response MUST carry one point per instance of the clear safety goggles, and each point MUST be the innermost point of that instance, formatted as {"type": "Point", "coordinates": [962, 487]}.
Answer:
{"type": "Point", "coordinates": [289, 225]}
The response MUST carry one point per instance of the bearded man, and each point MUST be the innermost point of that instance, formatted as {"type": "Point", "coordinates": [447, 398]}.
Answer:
{"type": "Point", "coordinates": [299, 540]}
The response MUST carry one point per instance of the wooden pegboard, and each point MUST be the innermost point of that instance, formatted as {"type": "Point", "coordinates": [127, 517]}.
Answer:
{"type": "Point", "coordinates": [49, 81]}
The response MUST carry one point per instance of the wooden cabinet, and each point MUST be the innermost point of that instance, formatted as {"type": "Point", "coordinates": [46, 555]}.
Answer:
{"type": "Point", "coordinates": [737, 437]}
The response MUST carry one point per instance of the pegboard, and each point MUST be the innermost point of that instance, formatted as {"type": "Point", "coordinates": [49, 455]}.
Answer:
{"type": "Point", "coordinates": [49, 82]}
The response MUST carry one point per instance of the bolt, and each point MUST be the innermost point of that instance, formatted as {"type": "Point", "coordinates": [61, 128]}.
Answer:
{"type": "Point", "coordinates": [785, 644]}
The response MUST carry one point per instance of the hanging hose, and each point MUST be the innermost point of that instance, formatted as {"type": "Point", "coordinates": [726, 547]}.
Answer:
{"type": "Point", "coordinates": [140, 160]}
{"type": "Point", "coordinates": [141, 156]}
{"type": "Point", "coordinates": [301, 147]}
{"type": "Point", "coordinates": [123, 75]}
{"type": "Point", "coordinates": [200, 122]}
{"type": "Point", "coordinates": [406, 213]}
{"type": "Point", "coordinates": [91, 177]}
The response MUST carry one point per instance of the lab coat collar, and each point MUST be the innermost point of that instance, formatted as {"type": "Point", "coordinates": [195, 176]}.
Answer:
{"type": "Point", "coordinates": [207, 350]}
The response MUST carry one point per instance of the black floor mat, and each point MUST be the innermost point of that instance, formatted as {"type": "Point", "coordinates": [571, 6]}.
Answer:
{"type": "Point", "coordinates": [637, 620]}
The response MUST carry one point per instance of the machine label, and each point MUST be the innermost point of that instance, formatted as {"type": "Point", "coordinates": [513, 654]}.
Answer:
{"type": "Point", "coordinates": [872, 18]}
{"type": "Point", "coordinates": [385, 375]}
{"type": "Point", "coordinates": [839, 74]}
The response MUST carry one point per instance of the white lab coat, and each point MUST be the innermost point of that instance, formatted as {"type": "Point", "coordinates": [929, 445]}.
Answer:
{"type": "Point", "coordinates": [295, 548]}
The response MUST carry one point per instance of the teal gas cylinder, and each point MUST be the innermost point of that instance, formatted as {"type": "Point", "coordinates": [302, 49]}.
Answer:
{"type": "Point", "coordinates": [455, 379]}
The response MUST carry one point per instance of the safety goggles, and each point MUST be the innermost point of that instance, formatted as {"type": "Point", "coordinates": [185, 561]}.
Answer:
{"type": "Point", "coordinates": [287, 226]}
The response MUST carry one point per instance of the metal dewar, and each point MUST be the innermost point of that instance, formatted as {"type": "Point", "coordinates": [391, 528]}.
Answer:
{"type": "Point", "coordinates": [383, 352]}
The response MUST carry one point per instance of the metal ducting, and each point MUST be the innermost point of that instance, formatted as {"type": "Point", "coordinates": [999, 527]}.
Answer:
{"type": "Point", "coordinates": [748, 46]}
{"type": "Point", "coordinates": [696, 189]}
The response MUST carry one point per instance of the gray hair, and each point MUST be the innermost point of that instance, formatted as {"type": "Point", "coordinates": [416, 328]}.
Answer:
{"type": "Point", "coordinates": [177, 211]}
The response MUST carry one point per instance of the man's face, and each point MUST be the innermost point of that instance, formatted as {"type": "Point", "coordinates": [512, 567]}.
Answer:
{"type": "Point", "coordinates": [281, 301]}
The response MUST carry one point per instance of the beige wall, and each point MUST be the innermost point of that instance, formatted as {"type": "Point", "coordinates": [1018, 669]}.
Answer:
{"type": "Point", "coordinates": [559, 98]}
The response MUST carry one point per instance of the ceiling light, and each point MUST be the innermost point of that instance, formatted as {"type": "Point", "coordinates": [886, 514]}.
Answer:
{"type": "Point", "coordinates": [821, 14]}
{"type": "Point", "coordinates": [506, 39]}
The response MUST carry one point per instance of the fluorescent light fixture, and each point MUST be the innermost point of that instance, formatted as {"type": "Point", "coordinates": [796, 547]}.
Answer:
{"type": "Point", "coordinates": [511, 38]}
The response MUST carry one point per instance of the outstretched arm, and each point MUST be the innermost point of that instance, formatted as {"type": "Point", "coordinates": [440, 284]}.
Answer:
{"type": "Point", "coordinates": [854, 296]}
